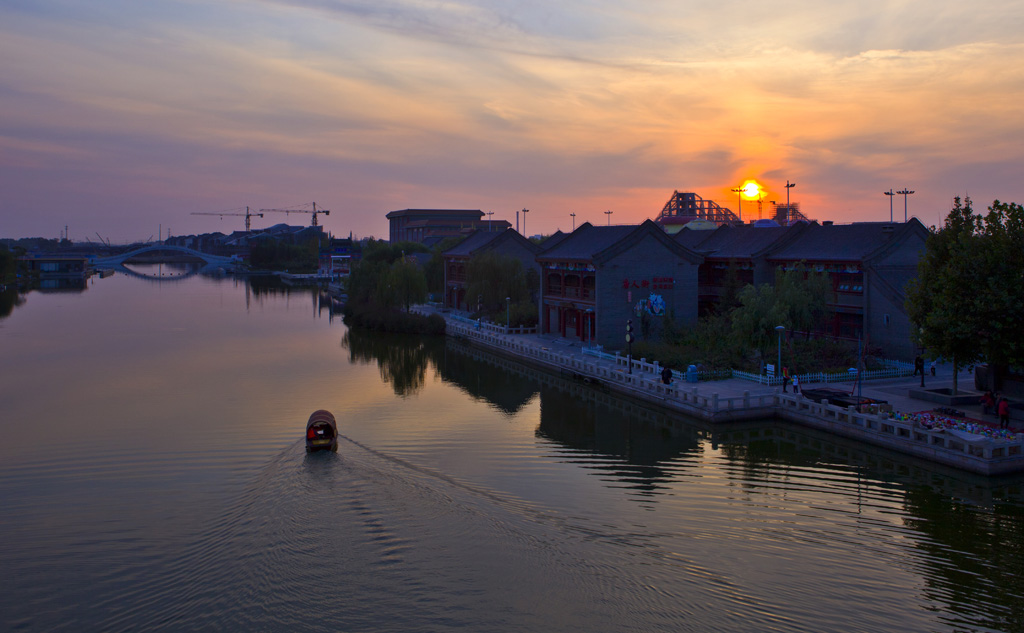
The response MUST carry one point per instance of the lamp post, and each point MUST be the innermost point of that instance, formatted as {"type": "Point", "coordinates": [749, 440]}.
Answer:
{"type": "Point", "coordinates": [489, 214]}
{"type": "Point", "coordinates": [629, 343]}
{"type": "Point", "coordinates": [508, 313]}
{"type": "Point", "coordinates": [525, 211]}
{"type": "Point", "coordinates": [906, 192]}
{"type": "Point", "coordinates": [609, 214]}
{"type": "Point", "coordinates": [780, 329]}
{"type": "Point", "coordinates": [891, 196]}
{"type": "Point", "coordinates": [573, 214]}
{"type": "Point", "coordinates": [789, 210]}
{"type": "Point", "coordinates": [739, 202]}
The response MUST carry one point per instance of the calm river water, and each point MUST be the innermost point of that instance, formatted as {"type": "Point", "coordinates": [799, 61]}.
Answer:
{"type": "Point", "coordinates": [153, 477]}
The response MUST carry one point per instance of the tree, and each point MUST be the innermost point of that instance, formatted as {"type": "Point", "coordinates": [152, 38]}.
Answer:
{"type": "Point", "coordinates": [946, 300]}
{"type": "Point", "coordinates": [402, 285]}
{"type": "Point", "coordinates": [802, 296]}
{"type": "Point", "coordinates": [493, 277]}
{"type": "Point", "coordinates": [434, 268]}
{"type": "Point", "coordinates": [798, 301]}
{"type": "Point", "coordinates": [754, 321]}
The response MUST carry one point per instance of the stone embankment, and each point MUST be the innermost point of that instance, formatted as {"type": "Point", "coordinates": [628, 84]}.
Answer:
{"type": "Point", "coordinates": [734, 400]}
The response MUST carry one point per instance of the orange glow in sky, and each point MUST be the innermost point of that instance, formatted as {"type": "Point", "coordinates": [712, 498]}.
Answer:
{"type": "Point", "coordinates": [124, 118]}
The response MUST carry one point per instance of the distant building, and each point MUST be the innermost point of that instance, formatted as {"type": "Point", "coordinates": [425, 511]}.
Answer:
{"type": "Point", "coordinates": [429, 226]}
{"type": "Point", "coordinates": [685, 207]}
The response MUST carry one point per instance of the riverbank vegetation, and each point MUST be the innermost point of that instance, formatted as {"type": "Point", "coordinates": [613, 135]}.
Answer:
{"type": "Point", "coordinates": [277, 255]}
{"type": "Point", "coordinates": [384, 286]}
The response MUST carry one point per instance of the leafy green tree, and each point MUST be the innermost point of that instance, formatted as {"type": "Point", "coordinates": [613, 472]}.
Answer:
{"type": "Point", "coordinates": [8, 264]}
{"type": "Point", "coordinates": [946, 300]}
{"type": "Point", "coordinates": [401, 285]}
{"type": "Point", "coordinates": [1001, 295]}
{"type": "Point", "coordinates": [492, 278]}
{"type": "Point", "coordinates": [434, 269]}
{"type": "Point", "coordinates": [754, 321]}
{"type": "Point", "coordinates": [802, 296]}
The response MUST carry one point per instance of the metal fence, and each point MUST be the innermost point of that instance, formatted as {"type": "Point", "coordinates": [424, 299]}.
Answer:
{"type": "Point", "coordinates": [890, 369]}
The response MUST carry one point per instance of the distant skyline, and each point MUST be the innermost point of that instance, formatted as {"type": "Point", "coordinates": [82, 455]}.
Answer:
{"type": "Point", "coordinates": [121, 117]}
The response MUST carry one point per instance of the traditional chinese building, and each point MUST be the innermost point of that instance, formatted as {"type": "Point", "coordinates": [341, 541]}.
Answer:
{"type": "Point", "coordinates": [868, 263]}
{"type": "Point", "coordinates": [597, 278]}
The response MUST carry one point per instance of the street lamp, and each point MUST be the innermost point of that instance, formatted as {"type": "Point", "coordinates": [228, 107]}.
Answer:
{"type": "Point", "coordinates": [573, 214]}
{"type": "Point", "coordinates": [508, 313]}
{"type": "Point", "coordinates": [906, 192]}
{"type": "Point", "coordinates": [739, 202]}
{"type": "Point", "coordinates": [489, 222]}
{"type": "Point", "coordinates": [891, 196]}
{"type": "Point", "coordinates": [780, 329]}
{"type": "Point", "coordinates": [789, 210]}
{"type": "Point", "coordinates": [609, 214]}
{"type": "Point", "coordinates": [525, 211]}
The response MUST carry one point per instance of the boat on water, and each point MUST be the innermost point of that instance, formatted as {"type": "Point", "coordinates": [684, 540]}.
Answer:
{"type": "Point", "coordinates": [321, 432]}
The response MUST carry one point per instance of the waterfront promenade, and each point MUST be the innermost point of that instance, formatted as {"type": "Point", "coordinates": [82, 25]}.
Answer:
{"type": "Point", "coordinates": [735, 399]}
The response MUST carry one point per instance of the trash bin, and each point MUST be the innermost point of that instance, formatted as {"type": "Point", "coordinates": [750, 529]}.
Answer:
{"type": "Point", "coordinates": [691, 374]}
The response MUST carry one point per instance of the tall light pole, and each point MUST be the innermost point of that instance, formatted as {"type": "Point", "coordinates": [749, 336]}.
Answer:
{"type": "Point", "coordinates": [906, 192]}
{"type": "Point", "coordinates": [489, 223]}
{"type": "Point", "coordinates": [573, 214]}
{"type": "Point", "coordinates": [525, 211]}
{"type": "Point", "coordinates": [609, 214]}
{"type": "Point", "coordinates": [780, 329]}
{"type": "Point", "coordinates": [891, 196]}
{"type": "Point", "coordinates": [789, 210]}
{"type": "Point", "coordinates": [508, 313]}
{"type": "Point", "coordinates": [739, 202]}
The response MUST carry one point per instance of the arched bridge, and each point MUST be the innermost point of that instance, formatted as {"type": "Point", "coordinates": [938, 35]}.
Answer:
{"type": "Point", "coordinates": [117, 261]}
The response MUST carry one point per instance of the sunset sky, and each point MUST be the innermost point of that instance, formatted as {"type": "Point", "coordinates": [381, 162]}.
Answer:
{"type": "Point", "coordinates": [122, 117]}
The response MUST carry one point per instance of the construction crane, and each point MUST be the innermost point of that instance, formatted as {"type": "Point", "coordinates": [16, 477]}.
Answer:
{"type": "Point", "coordinates": [247, 215]}
{"type": "Point", "coordinates": [315, 211]}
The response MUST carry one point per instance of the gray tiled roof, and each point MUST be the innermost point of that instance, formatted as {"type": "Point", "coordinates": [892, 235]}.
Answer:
{"type": "Point", "coordinates": [473, 241]}
{"type": "Point", "coordinates": [692, 239]}
{"type": "Point", "coordinates": [840, 242]}
{"type": "Point", "coordinates": [586, 241]}
{"type": "Point", "coordinates": [743, 242]}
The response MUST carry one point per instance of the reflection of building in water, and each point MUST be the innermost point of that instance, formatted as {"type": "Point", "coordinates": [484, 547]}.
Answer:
{"type": "Point", "coordinates": [775, 442]}
{"type": "Point", "coordinates": [640, 454]}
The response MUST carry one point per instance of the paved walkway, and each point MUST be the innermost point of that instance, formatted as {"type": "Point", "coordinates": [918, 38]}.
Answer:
{"type": "Point", "coordinates": [895, 391]}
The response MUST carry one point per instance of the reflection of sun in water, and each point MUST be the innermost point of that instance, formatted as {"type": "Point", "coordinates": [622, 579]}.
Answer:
{"type": "Point", "coordinates": [751, 189]}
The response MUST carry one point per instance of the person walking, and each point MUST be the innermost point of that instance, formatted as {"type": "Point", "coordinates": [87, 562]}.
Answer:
{"type": "Point", "coordinates": [918, 365]}
{"type": "Point", "coordinates": [932, 368]}
{"type": "Point", "coordinates": [988, 403]}
{"type": "Point", "coordinates": [666, 376]}
{"type": "Point", "coordinates": [785, 379]}
{"type": "Point", "coordinates": [1004, 412]}
{"type": "Point", "coordinates": [796, 384]}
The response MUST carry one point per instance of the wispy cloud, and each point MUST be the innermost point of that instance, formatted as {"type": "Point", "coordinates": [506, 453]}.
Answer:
{"type": "Point", "coordinates": [380, 105]}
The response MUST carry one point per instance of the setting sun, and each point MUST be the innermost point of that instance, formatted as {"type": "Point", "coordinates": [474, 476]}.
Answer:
{"type": "Point", "coordinates": [751, 189]}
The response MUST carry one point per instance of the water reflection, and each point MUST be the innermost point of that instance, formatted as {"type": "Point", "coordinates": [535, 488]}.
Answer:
{"type": "Point", "coordinates": [401, 358]}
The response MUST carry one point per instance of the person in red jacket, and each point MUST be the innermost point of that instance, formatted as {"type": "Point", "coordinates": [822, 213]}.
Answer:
{"type": "Point", "coordinates": [1003, 409]}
